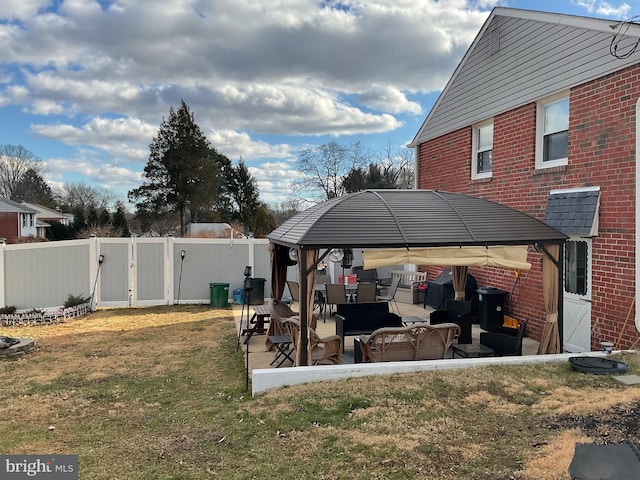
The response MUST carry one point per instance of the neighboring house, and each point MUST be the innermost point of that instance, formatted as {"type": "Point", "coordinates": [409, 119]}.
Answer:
{"type": "Point", "coordinates": [49, 215]}
{"type": "Point", "coordinates": [220, 230]}
{"type": "Point", "coordinates": [17, 222]}
{"type": "Point", "coordinates": [541, 116]}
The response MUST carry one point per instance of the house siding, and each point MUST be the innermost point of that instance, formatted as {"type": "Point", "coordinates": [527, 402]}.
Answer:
{"type": "Point", "coordinates": [601, 153]}
{"type": "Point", "coordinates": [536, 58]}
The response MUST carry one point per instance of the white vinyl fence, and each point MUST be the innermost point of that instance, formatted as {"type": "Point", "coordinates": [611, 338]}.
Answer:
{"type": "Point", "coordinates": [127, 271]}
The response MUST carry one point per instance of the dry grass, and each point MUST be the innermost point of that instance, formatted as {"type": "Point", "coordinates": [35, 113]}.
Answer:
{"type": "Point", "coordinates": [159, 393]}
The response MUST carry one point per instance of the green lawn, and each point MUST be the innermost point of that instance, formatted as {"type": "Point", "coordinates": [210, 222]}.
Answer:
{"type": "Point", "coordinates": [158, 393]}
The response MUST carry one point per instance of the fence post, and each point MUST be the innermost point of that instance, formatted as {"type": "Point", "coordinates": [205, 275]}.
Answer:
{"type": "Point", "coordinates": [2, 283]}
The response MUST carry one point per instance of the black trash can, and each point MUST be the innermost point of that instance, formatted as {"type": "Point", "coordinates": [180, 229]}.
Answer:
{"type": "Point", "coordinates": [490, 307]}
{"type": "Point", "coordinates": [219, 294]}
{"type": "Point", "coordinates": [256, 294]}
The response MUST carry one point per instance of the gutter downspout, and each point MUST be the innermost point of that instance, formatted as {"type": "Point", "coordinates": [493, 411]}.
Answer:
{"type": "Point", "coordinates": [637, 219]}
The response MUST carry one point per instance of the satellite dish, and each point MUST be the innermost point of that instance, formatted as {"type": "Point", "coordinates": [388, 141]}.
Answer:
{"type": "Point", "coordinates": [336, 255]}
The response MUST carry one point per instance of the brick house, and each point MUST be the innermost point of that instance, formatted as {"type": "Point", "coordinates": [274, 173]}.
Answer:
{"type": "Point", "coordinates": [540, 115]}
{"type": "Point", "coordinates": [17, 222]}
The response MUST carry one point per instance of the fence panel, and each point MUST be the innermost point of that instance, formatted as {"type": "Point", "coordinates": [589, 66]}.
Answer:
{"type": "Point", "coordinates": [150, 271]}
{"type": "Point", "coordinates": [115, 279]}
{"type": "Point", "coordinates": [45, 274]}
{"type": "Point", "coordinates": [134, 271]}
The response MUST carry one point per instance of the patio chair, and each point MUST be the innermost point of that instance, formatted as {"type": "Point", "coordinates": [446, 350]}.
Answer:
{"type": "Point", "coordinates": [505, 341]}
{"type": "Point", "coordinates": [336, 293]}
{"type": "Point", "coordinates": [319, 299]}
{"type": "Point", "coordinates": [322, 350]}
{"type": "Point", "coordinates": [294, 289]}
{"type": "Point", "coordinates": [458, 312]}
{"type": "Point", "coordinates": [390, 294]}
{"type": "Point", "coordinates": [366, 292]}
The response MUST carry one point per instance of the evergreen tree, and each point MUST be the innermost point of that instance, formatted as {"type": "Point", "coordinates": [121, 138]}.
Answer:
{"type": "Point", "coordinates": [119, 220]}
{"type": "Point", "coordinates": [104, 218]}
{"type": "Point", "coordinates": [183, 172]}
{"type": "Point", "coordinates": [242, 189]}
{"type": "Point", "coordinates": [79, 221]}
{"type": "Point", "coordinates": [92, 217]}
{"type": "Point", "coordinates": [32, 188]}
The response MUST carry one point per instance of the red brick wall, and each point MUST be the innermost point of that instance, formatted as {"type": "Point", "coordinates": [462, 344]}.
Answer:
{"type": "Point", "coordinates": [601, 153]}
{"type": "Point", "coordinates": [9, 226]}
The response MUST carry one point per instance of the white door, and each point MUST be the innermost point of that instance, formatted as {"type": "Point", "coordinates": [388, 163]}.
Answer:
{"type": "Point", "coordinates": [577, 295]}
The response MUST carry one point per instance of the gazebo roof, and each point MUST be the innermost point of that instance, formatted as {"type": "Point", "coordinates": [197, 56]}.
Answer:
{"type": "Point", "coordinates": [411, 218]}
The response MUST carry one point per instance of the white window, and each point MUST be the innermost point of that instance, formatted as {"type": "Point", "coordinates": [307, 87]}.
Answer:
{"type": "Point", "coordinates": [24, 220]}
{"type": "Point", "coordinates": [481, 163]}
{"type": "Point", "coordinates": [31, 215]}
{"type": "Point", "coordinates": [552, 134]}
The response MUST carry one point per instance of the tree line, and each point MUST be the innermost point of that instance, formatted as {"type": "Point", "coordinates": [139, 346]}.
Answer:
{"type": "Point", "coordinates": [186, 180]}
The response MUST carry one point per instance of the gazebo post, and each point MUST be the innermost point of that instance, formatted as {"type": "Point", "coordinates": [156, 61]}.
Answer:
{"type": "Point", "coordinates": [304, 307]}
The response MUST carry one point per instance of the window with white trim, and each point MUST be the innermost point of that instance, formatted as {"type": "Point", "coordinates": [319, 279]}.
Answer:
{"type": "Point", "coordinates": [552, 134]}
{"type": "Point", "coordinates": [481, 163]}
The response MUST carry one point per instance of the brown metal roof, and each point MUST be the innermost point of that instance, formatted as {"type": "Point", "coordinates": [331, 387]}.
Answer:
{"type": "Point", "coordinates": [411, 218]}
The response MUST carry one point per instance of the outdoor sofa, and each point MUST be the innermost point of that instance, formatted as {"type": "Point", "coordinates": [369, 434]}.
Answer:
{"type": "Point", "coordinates": [363, 318]}
{"type": "Point", "coordinates": [416, 342]}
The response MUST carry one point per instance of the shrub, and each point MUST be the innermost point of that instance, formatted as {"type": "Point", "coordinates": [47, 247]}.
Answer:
{"type": "Point", "coordinates": [11, 309]}
{"type": "Point", "coordinates": [73, 300]}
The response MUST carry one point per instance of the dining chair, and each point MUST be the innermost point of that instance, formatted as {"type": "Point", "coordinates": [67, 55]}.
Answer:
{"type": "Point", "coordinates": [335, 293]}
{"type": "Point", "coordinates": [366, 292]}
{"type": "Point", "coordinates": [294, 289]}
{"type": "Point", "coordinates": [390, 294]}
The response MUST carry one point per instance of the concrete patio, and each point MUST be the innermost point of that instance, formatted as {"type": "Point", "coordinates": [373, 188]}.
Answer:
{"type": "Point", "coordinates": [261, 358]}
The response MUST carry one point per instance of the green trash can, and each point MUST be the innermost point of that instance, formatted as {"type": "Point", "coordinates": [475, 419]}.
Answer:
{"type": "Point", "coordinates": [219, 294]}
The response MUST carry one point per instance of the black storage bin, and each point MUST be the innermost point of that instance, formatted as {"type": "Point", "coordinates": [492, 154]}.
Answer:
{"type": "Point", "coordinates": [441, 289]}
{"type": "Point", "coordinates": [490, 307]}
{"type": "Point", "coordinates": [256, 294]}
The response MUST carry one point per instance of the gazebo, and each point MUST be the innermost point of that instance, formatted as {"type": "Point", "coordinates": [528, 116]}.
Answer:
{"type": "Point", "coordinates": [426, 227]}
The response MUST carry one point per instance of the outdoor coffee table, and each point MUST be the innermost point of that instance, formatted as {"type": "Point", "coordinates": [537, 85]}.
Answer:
{"type": "Point", "coordinates": [284, 348]}
{"type": "Point", "coordinates": [411, 321]}
{"type": "Point", "coordinates": [471, 350]}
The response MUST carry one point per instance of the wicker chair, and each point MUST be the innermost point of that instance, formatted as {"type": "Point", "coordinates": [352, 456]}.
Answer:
{"type": "Point", "coordinates": [323, 350]}
{"type": "Point", "coordinates": [417, 342]}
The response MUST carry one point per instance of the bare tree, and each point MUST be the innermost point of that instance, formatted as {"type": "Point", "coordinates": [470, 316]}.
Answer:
{"type": "Point", "coordinates": [83, 197]}
{"type": "Point", "coordinates": [15, 162]}
{"type": "Point", "coordinates": [398, 163]}
{"type": "Point", "coordinates": [323, 169]}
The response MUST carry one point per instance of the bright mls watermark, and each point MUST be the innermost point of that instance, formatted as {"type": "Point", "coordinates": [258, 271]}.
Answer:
{"type": "Point", "coordinates": [50, 467]}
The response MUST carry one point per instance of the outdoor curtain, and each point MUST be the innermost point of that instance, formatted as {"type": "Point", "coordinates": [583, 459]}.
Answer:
{"type": "Point", "coordinates": [311, 257]}
{"type": "Point", "coordinates": [492, 256]}
{"type": "Point", "coordinates": [550, 341]}
{"type": "Point", "coordinates": [459, 281]}
{"type": "Point", "coordinates": [279, 262]}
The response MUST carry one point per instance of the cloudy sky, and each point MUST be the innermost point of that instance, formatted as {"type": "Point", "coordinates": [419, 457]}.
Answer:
{"type": "Point", "coordinates": [85, 84]}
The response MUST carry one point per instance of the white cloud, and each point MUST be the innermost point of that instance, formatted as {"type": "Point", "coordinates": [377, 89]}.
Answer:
{"type": "Point", "coordinates": [22, 9]}
{"type": "Point", "coordinates": [113, 177]}
{"type": "Point", "coordinates": [101, 76]}
{"type": "Point", "coordinates": [389, 99]}
{"type": "Point", "coordinates": [236, 145]}
{"type": "Point", "coordinates": [120, 137]}
{"type": "Point", "coordinates": [275, 180]}
{"type": "Point", "coordinates": [605, 9]}
{"type": "Point", "coordinates": [608, 10]}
